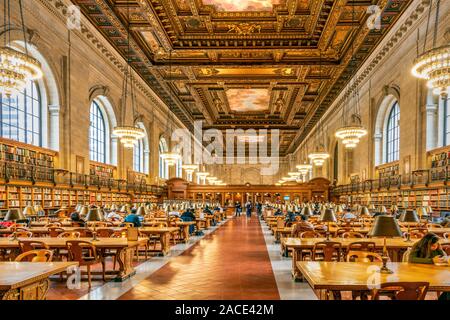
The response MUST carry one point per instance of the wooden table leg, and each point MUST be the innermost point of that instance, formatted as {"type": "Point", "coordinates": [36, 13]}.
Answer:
{"type": "Point", "coordinates": [34, 291]}
{"type": "Point", "coordinates": [165, 243]}
{"type": "Point", "coordinates": [185, 232]}
{"type": "Point", "coordinates": [125, 261]}
{"type": "Point", "coordinates": [296, 256]}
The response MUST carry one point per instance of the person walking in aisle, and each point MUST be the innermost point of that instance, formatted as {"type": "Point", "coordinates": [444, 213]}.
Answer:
{"type": "Point", "coordinates": [248, 207]}
{"type": "Point", "coordinates": [238, 209]}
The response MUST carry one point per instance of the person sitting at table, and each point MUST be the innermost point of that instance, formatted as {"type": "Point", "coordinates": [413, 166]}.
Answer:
{"type": "Point", "coordinates": [348, 215]}
{"type": "Point", "coordinates": [113, 216]}
{"type": "Point", "coordinates": [428, 250]}
{"type": "Point", "coordinates": [189, 215]}
{"type": "Point", "coordinates": [278, 212]}
{"type": "Point", "coordinates": [134, 218]}
{"type": "Point", "coordinates": [302, 226]}
{"type": "Point", "coordinates": [76, 219]}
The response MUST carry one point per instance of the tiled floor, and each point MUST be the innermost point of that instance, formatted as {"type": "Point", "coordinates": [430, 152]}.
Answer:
{"type": "Point", "coordinates": [233, 263]}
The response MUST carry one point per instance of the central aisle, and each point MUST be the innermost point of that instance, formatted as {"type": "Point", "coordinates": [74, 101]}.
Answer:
{"type": "Point", "coordinates": [231, 263]}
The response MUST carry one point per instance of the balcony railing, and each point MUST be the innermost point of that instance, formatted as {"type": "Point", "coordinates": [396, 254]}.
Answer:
{"type": "Point", "coordinates": [31, 173]}
{"type": "Point", "coordinates": [416, 178]}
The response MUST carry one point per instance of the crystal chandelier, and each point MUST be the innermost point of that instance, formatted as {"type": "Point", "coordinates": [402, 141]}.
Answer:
{"type": "Point", "coordinates": [351, 134]}
{"type": "Point", "coordinates": [16, 68]}
{"type": "Point", "coordinates": [318, 157]}
{"type": "Point", "coordinates": [190, 168]}
{"type": "Point", "coordinates": [128, 135]}
{"type": "Point", "coordinates": [171, 158]}
{"type": "Point", "coordinates": [304, 168]}
{"type": "Point", "coordinates": [434, 65]}
{"type": "Point", "coordinates": [202, 175]}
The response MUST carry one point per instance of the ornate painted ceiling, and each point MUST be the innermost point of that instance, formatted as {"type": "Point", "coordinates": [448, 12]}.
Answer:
{"type": "Point", "coordinates": [275, 64]}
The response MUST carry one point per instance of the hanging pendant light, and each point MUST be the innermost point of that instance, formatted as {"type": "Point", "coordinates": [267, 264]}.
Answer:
{"type": "Point", "coordinates": [16, 68]}
{"type": "Point", "coordinates": [434, 65]}
{"type": "Point", "coordinates": [319, 155]}
{"type": "Point", "coordinates": [171, 158]}
{"type": "Point", "coordinates": [350, 134]}
{"type": "Point", "coordinates": [190, 169]}
{"type": "Point", "coordinates": [128, 135]}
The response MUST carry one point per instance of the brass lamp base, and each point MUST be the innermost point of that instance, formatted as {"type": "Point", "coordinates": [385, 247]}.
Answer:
{"type": "Point", "coordinates": [95, 237]}
{"type": "Point", "coordinates": [384, 269]}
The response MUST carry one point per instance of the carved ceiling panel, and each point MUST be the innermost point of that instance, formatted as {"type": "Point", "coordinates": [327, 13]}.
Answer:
{"type": "Point", "coordinates": [245, 63]}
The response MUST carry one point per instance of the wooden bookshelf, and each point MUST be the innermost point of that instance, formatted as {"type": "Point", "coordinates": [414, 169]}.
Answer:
{"type": "Point", "coordinates": [439, 162]}
{"type": "Point", "coordinates": [101, 170]}
{"type": "Point", "coordinates": [23, 160]}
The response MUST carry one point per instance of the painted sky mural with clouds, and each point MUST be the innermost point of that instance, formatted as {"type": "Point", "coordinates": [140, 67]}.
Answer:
{"type": "Point", "coordinates": [242, 5]}
{"type": "Point", "coordinates": [248, 100]}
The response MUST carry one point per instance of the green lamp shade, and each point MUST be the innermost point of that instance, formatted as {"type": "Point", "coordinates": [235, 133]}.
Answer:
{"type": "Point", "coordinates": [409, 216]}
{"type": "Point", "coordinates": [364, 211]}
{"type": "Point", "coordinates": [385, 226]}
{"type": "Point", "coordinates": [94, 214]}
{"type": "Point", "coordinates": [328, 216]}
{"type": "Point", "coordinates": [14, 215]}
{"type": "Point", "coordinates": [306, 211]}
{"type": "Point", "coordinates": [29, 211]}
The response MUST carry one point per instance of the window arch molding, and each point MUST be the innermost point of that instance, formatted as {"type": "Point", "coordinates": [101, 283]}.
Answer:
{"type": "Point", "coordinates": [48, 90]}
{"type": "Point", "coordinates": [100, 97]}
{"type": "Point", "coordinates": [390, 97]}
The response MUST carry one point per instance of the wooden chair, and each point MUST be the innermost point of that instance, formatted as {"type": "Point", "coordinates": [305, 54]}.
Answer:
{"type": "Point", "coordinates": [309, 234]}
{"type": "Point", "coordinates": [21, 234]}
{"type": "Point", "coordinates": [421, 230]}
{"type": "Point", "coordinates": [53, 225]}
{"type": "Point", "coordinates": [85, 253]}
{"type": "Point", "coordinates": [416, 235]}
{"type": "Point", "coordinates": [402, 290]}
{"type": "Point", "coordinates": [104, 232]}
{"type": "Point", "coordinates": [30, 245]}
{"type": "Point", "coordinates": [434, 225]}
{"type": "Point", "coordinates": [363, 256]}
{"type": "Point", "coordinates": [69, 234]}
{"type": "Point", "coordinates": [55, 231]}
{"type": "Point", "coordinates": [42, 255]}
{"type": "Point", "coordinates": [362, 246]}
{"type": "Point", "coordinates": [84, 232]}
{"type": "Point", "coordinates": [445, 235]}
{"type": "Point", "coordinates": [327, 251]}
{"type": "Point", "coordinates": [118, 234]}
{"type": "Point", "coordinates": [352, 234]}
{"type": "Point", "coordinates": [97, 224]}
{"type": "Point", "coordinates": [340, 231]}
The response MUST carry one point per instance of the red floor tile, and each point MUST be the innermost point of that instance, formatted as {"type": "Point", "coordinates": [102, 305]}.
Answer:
{"type": "Point", "coordinates": [231, 263]}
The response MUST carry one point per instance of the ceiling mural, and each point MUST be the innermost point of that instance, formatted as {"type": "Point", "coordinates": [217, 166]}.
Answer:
{"type": "Point", "coordinates": [247, 63]}
{"type": "Point", "coordinates": [248, 100]}
{"type": "Point", "coordinates": [242, 5]}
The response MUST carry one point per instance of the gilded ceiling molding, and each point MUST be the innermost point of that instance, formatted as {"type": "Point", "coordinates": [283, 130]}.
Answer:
{"type": "Point", "coordinates": [59, 9]}
{"type": "Point", "coordinates": [364, 73]}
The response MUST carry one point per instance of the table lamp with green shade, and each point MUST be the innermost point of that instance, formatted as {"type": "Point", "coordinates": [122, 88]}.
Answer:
{"type": "Point", "coordinates": [363, 213]}
{"type": "Point", "coordinates": [328, 216]}
{"type": "Point", "coordinates": [94, 214]}
{"type": "Point", "coordinates": [422, 212]}
{"type": "Point", "coordinates": [306, 211]}
{"type": "Point", "coordinates": [409, 216]}
{"type": "Point", "coordinates": [386, 227]}
{"type": "Point", "coordinates": [141, 211]}
{"type": "Point", "coordinates": [83, 211]}
{"type": "Point", "coordinates": [29, 211]}
{"type": "Point", "coordinates": [371, 207]}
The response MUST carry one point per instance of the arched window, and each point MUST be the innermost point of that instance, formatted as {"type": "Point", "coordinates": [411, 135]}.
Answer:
{"type": "Point", "coordinates": [393, 134]}
{"type": "Point", "coordinates": [336, 162]}
{"type": "Point", "coordinates": [163, 167]}
{"type": "Point", "coordinates": [141, 154]}
{"type": "Point", "coordinates": [20, 118]}
{"type": "Point", "coordinates": [97, 134]}
{"type": "Point", "coordinates": [179, 168]}
{"type": "Point", "coordinates": [138, 157]}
